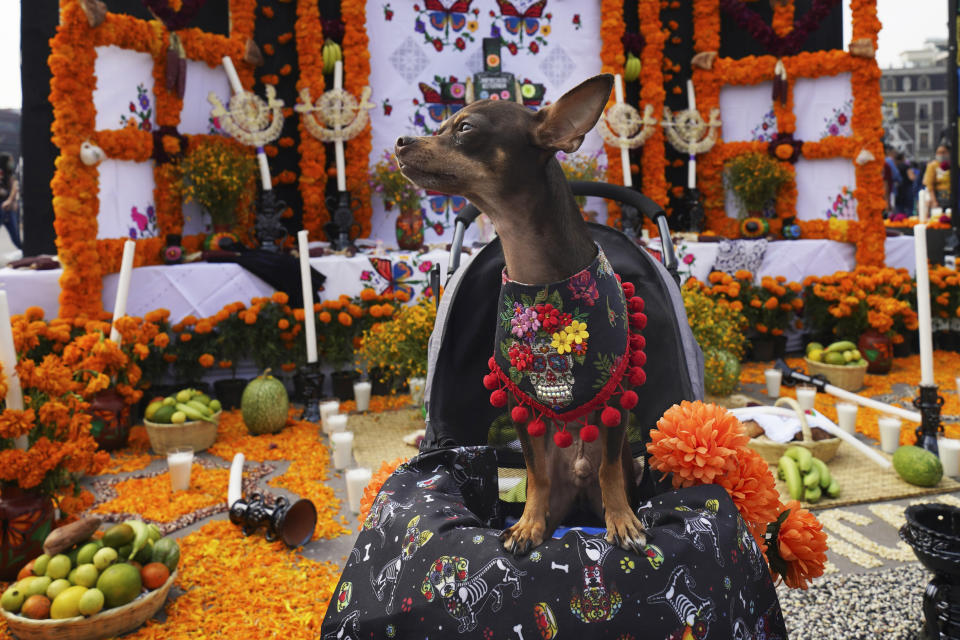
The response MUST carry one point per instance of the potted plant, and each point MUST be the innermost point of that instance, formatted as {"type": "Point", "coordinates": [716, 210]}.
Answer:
{"type": "Point", "coordinates": [755, 180]}
{"type": "Point", "coordinates": [395, 190]}
{"type": "Point", "coordinates": [216, 174]}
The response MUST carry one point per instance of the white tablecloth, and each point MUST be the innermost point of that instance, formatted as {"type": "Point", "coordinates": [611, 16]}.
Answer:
{"type": "Point", "coordinates": [203, 288]}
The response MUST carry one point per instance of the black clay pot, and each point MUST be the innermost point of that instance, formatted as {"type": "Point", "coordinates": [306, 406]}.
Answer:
{"type": "Point", "coordinates": [343, 384]}
{"type": "Point", "coordinates": [229, 392]}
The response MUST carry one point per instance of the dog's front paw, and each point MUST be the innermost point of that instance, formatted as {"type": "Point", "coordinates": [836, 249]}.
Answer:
{"type": "Point", "coordinates": [526, 534]}
{"type": "Point", "coordinates": [625, 531]}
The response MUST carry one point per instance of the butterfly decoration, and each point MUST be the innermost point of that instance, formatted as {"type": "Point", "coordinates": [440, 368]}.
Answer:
{"type": "Point", "coordinates": [397, 274]}
{"type": "Point", "coordinates": [529, 20]}
{"type": "Point", "coordinates": [454, 16]}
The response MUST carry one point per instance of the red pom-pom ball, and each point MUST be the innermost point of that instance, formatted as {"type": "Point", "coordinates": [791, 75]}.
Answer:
{"type": "Point", "coordinates": [498, 398]}
{"type": "Point", "coordinates": [629, 399]}
{"type": "Point", "coordinates": [638, 358]}
{"type": "Point", "coordinates": [610, 417]}
{"type": "Point", "coordinates": [636, 304]}
{"type": "Point", "coordinates": [628, 290]}
{"type": "Point", "coordinates": [536, 428]}
{"type": "Point", "coordinates": [636, 376]}
{"type": "Point", "coordinates": [490, 381]}
{"type": "Point", "coordinates": [491, 363]}
{"type": "Point", "coordinates": [638, 321]}
{"type": "Point", "coordinates": [520, 414]}
{"type": "Point", "coordinates": [589, 433]}
{"type": "Point", "coordinates": [562, 439]}
{"type": "Point", "coordinates": [637, 342]}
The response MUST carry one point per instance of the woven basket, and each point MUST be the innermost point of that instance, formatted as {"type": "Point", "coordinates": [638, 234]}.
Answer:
{"type": "Point", "coordinates": [197, 434]}
{"type": "Point", "coordinates": [771, 451]}
{"type": "Point", "coordinates": [843, 376]}
{"type": "Point", "coordinates": [108, 623]}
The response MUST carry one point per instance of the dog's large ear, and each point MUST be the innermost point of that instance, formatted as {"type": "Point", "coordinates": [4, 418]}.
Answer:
{"type": "Point", "coordinates": [562, 125]}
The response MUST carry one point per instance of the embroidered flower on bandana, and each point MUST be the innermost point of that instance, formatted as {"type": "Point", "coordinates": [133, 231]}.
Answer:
{"type": "Point", "coordinates": [584, 287]}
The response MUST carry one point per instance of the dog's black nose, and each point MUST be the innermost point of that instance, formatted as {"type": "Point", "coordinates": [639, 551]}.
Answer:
{"type": "Point", "coordinates": [403, 141]}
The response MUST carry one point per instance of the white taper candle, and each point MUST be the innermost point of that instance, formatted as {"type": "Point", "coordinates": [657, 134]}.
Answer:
{"type": "Point", "coordinates": [306, 282]}
{"type": "Point", "coordinates": [923, 304]}
{"type": "Point", "coordinates": [123, 287]}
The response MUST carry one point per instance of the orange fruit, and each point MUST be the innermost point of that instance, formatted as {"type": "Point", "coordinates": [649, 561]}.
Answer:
{"type": "Point", "coordinates": [36, 607]}
{"type": "Point", "coordinates": [154, 575]}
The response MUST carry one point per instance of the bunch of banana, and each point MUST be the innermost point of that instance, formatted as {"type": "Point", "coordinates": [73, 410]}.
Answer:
{"type": "Point", "coordinates": [331, 54]}
{"type": "Point", "coordinates": [838, 353]}
{"type": "Point", "coordinates": [807, 477]}
{"type": "Point", "coordinates": [631, 68]}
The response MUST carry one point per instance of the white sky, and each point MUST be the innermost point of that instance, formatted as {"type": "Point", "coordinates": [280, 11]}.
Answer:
{"type": "Point", "coordinates": [907, 23]}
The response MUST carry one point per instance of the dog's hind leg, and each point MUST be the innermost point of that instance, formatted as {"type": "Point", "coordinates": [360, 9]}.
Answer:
{"type": "Point", "coordinates": [623, 527]}
{"type": "Point", "coordinates": [529, 530]}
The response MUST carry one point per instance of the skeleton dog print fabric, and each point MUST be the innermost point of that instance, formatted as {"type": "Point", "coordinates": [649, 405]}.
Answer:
{"type": "Point", "coordinates": [422, 52]}
{"type": "Point", "coordinates": [429, 564]}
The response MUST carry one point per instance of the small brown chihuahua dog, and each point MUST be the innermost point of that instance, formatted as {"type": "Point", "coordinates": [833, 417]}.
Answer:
{"type": "Point", "coordinates": [501, 156]}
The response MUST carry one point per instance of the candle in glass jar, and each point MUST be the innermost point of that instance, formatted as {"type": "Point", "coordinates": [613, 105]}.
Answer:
{"type": "Point", "coordinates": [342, 448]}
{"type": "Point", "coordinates": [357, 481]}
{"type": "Point", "coordinates": [361, 393]}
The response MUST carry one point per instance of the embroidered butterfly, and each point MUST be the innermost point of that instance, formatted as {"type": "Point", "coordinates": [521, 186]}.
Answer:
{"type": "Point", "coordinates": [438, 108]}
{"type": "Point", "coordinates": [454, 16]}
{"type": "Point", "coordinates": [529, 20]}
{"type": "Point", "coordinates": [397, 275]}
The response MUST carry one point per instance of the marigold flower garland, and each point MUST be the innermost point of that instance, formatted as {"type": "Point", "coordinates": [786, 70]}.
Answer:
{"type": "Point", "coordinates": [704, 444]}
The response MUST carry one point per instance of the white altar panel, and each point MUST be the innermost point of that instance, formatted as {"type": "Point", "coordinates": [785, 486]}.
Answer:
{"type": "Point", "coordinates": [747, 112]}
{"type": "Point", "coordinates": [126, 200]}
{"type": "Point", "coordinates": [413, 49]}
{"type": "Point", "coordinates": [823, 107]}
{"type": "Point", "coordinates": [825, 189]}
{"type": "Point", "coordinates": [124, 90]}
{"type": "Point", "coordinates": [202, 79]}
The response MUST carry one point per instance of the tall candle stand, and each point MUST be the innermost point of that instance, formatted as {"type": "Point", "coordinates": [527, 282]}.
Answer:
{"type": "Point", "coordinates": [312, 379]}
{"type": "Point", "coordinates": [929, 402]}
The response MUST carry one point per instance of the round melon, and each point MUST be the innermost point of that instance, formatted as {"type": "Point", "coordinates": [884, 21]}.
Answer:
{"type": "Point", "coordinates": [917, 466]}
{"type": "Point", "coordinates": [264, 405]}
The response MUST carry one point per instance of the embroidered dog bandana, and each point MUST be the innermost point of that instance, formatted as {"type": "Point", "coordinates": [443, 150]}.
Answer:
{"type": "Point", "coordinates": [564, 350]}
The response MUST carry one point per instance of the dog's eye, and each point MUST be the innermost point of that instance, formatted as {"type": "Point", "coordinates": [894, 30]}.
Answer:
{"type": "Point", "coordinates": [464, 126]}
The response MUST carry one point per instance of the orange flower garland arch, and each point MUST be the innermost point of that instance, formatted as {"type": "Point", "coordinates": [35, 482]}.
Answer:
{"type": "Point", "coordinates": [868, 231]}
{"type": "Point", "coordinates": [84, 257]}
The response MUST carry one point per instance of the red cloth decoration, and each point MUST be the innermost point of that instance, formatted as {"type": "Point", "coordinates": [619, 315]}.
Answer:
{"type": "Point", "coordinates": [498, 398]}
{"type": "Point", "coordinates": [629, 399]}
{"type": "Point", "coordinates": [589, 433]}
{"type": "Point", "coordinates": [562, 438]}
{"type": "Point", "coordinates": [520, 415]}
{"type": "Point", "coordinates": [537, 428]}
{"type": "Point", "coordinates": [610, 418]}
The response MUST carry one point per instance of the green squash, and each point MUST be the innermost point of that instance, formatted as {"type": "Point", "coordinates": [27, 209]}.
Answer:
{"type": "Point", "coordinates": [264, 405]}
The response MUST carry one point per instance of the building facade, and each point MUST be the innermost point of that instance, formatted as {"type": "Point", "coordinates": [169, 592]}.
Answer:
{"type": "Point", "coordinates": [915, 101]}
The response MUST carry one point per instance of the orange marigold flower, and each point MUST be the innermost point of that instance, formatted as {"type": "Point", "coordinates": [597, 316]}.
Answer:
{"type": "Point", "coordinates": [345, 318]}
{"type": "Point", "coordinates": [695, 442]}
{"type": "Point", "coordinates": [206, 360]}
{"type": "Point", "coordinates": [325, 317]}
{"type": "Point", "coordinates": [802, 546]}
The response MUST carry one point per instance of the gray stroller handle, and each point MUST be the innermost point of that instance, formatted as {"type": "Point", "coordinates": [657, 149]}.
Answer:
{"type": "Point", "coordinates": [644, 205]}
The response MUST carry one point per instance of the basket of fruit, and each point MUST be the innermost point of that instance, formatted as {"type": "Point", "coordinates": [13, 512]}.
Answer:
{"type": "Point", "coordinates": [95, 588]}
{"type": "Point", "coordinates": [840, 363]}
{"type": "Point", "coordinates": [186, 419]}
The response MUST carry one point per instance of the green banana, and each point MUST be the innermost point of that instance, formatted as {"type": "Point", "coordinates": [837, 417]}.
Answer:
{"type": "Point", "coordinates": [812, 477]}
{"type": "Point", "coordinates": [791, 473]}
{"type": "Point", "coordinates": [843, 345]}
{"type": "Point", "coordinates": [825, 476]}
{"type": "Point", "coordinates": [801, 454]}
{"type": "Point", "coordinates": [142, 534]}
{"type": "Point", "coordinates": [192, 412]}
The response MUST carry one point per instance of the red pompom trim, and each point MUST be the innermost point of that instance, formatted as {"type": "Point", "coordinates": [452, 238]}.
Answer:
{"type": "Point", "coordinates": [562, 438]}
{"type": "Point", "coordinates": [498, 398]}
{"type": "Point", "coordinates": [628, 290]}
{"type": "Point", "coordinates": [636, 304]}
{"type": "Point", "coordinates": [589, 433]}
{"type": "Point", "coordinates": [492, 364]}
{"type": "Point", "coordinates": [637, 342]}
{"type": "Point", "coordinates": [638, 321]}
{"type": "Point", "coordinates": [629, 399]}
{"type": "Point", "coordinates": [610, 418]}
{"type": "Point", "coordinates": [636, 376]}
{"type": "Point", "coordinates": [490, 381]}
{"type": "Point", "coordinates": [520, 415]}
{"type": "Point", "coordinates": [537, 428]}
{"type": "Point", "coordinates": [638, 358]}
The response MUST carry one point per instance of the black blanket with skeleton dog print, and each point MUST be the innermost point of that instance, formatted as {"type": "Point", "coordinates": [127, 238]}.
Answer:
{"type": "Point", "coordinates": [428, 564]}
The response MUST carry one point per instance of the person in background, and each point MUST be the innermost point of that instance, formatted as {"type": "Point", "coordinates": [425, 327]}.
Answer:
{"type": "Point", "coordinates": [9, 194]}
{"type": "Point", "coordinates": [937, 178]}
{"type": "Point", "coordinates": [903, 199]}
{"type": "Point", "coordinates": [891, 176]}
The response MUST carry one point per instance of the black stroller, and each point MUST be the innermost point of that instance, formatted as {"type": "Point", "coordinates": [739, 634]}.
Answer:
{"type": "Point", "coordinates": [428, 562]}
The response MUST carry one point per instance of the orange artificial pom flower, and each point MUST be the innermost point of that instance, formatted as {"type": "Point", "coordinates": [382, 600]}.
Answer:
{"type": "Point", "coordinates": [696, 442]}
{"type": "Point", "coordinates": [802, 545]}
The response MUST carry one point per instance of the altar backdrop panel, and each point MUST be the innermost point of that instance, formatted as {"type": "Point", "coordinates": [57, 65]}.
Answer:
{"type": "Point", "coordinates": [413, 48]}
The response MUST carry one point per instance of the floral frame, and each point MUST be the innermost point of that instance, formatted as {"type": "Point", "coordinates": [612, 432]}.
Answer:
{"type": "Point", "coordinates": [85, 258]}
